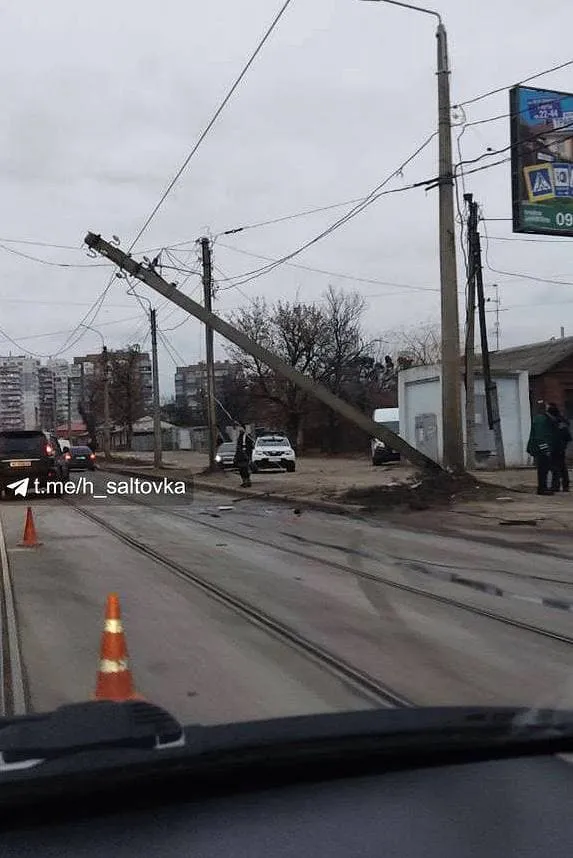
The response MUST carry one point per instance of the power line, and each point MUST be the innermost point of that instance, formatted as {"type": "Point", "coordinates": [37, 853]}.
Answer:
{"type": "Point", "coordinates": [328, 273]}
{"type": "Point", "coordinates": [493, 152]}
{"type": "Point", "coordinates": [42, 244]}
{"type": "Point", "coordinates": [49, 334]}
{"type": "Point", "coordinates": [170, 347]}
{"type": "Point", "coordinates": [504, 88]}
{"type": "Point", "coordinates": [517, 274]}
{"type": "Point", "coordinates": [304, 213]}
{"type": "Point", "coordinates": [370, 198]}
{"type": "Point", "coordinates": [216, 115]}
{"type": "Point", "coordinates": [54, 264]}
{"type": "Point", "coordinates": [531, 240]}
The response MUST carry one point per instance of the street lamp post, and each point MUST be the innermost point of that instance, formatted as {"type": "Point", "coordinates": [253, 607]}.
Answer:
{"type": "Point", "coordinates": [157, 437]}
{"type": "Point", "coordinates": [453, 447]}
{"type": "Point", "coordinates": [106, 418]}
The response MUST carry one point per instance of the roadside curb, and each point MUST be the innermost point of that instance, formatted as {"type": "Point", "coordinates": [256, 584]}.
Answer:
{"type": "Point", "coordinates": [208, 485]}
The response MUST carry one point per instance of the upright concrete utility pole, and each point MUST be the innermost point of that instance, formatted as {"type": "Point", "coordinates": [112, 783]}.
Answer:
{"type": "Point", "coordinates": [470, 336]}
{"type": "Point", "coordinates": [492, 402]}
{"type": "Point", "coordinates": [156, 402]}
{"type": "Point", "coordinates": [209, 351]}
{"type": "Point", "coordinates": [453, 446]}
{"type": "Point", "coordinates": [349, 412]}
{"type": "Point", "coordinates": [106, 421]}
{"type": "Point", "coordinates": [451, 397]}
{"type": "Point", "coordinates": [70, 410]}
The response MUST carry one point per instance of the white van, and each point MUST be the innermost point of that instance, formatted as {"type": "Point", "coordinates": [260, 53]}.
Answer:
{"type": "Point", "coordinates": [390, 418]}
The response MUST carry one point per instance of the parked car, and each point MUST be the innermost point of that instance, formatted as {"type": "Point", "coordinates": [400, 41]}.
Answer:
{"type": "Point", "coordinates": [226, 454]}
{"type": "Point", "coordinates": [31, 453]}
{"type": "Point", "coordinates": [80, 459]}
{"type": "Point", "coordinates": [273, 452]}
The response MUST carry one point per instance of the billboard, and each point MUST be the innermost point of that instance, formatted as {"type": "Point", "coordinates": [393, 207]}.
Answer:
{"type": "Point", "coordinates": [541, 160]}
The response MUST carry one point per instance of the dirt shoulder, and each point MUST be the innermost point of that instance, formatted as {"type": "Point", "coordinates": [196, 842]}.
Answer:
{"type": "Point", "coordinates": [499, 501]}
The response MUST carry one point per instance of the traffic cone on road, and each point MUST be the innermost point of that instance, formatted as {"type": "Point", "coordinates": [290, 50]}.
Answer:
{"type": "Point", "coordinates": [30, 538]}
{"type": "Point", "coordinates": [114, 679]}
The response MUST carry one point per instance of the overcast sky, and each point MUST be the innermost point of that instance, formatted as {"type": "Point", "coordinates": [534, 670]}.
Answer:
{"type": "Point", "coordinates": [102, 103]}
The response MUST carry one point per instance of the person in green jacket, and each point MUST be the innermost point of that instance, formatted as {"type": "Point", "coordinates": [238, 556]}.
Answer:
{"type": "Point", "coordinates": [541, 444]}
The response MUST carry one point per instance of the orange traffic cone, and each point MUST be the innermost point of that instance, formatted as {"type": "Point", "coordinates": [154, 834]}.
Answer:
{"type": "Point", "coordinates": [114, 679]}
{"type": "Point", "coordinates": [30, 538]}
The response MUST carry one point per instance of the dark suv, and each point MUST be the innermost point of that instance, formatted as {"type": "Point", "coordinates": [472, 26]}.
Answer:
{"type": "Point", "coordinates": [30, 453]}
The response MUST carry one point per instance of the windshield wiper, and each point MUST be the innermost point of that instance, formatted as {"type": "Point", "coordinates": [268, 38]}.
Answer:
{"type": "Point", "coordinates": [92, 726]}
{"type": "Point", "coordinates": [392, 735]}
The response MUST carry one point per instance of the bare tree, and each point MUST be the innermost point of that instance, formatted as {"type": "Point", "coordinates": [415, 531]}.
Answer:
{"type": "Point", "coordinates": [416, 345]}
{"type": "Point", "coordinates": [125, 390]}
{"type": "Point", "coordinates": [297, 333]}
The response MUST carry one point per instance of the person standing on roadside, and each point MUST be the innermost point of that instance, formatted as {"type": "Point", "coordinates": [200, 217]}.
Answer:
{"type": "Point", "coordinates": [560, 472]}
{"type": "Point", "coordinates": [242, 460]}
{"type": "Point", "coordinates": [542, 442]}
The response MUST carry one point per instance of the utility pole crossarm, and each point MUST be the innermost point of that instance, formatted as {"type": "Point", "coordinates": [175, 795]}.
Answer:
{"type": "Point", "coordinates": [169, 291]}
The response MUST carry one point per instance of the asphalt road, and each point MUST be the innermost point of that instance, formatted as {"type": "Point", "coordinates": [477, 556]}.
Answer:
{"type": "Point", "coordinates": [439, 619]}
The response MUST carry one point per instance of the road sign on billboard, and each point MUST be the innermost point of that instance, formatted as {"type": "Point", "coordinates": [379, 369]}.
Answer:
{"type": "Point", "coordinates": [542, 160]}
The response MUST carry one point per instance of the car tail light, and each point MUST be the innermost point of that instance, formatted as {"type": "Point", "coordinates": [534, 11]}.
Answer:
{"type": "Point", "coordinates": [49, 450]}
{"type": "Point", "coordinates": [92, 455]}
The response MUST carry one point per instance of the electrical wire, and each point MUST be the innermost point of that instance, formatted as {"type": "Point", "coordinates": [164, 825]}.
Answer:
{"type": "Point", "coordinates": [170, 347]}
{"type": "Point", "coordinates": [512, 146]}
{"type": "Point", "coordinates": [328, 273]}
{"type": "Point", "coordinates": [284, 218]}
{"type": "Point", "coordinates": [212, 122]}
{"type": "Point", "coordinates": [370, 198]}
{"type": "Point", "coordinates": [531, 277]}
{"type": "Point", "coordinates": [554, 241]}
{"type": "Point", "coordinates": [519, 83]}
{"type": "Point", "coordinates": [54, 264]}
{"type": "Point", "coordinates": [41, 244]}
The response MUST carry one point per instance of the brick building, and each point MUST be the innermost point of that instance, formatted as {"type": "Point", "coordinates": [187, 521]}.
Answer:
{"type": "Point", "coordinates": [550, 368]}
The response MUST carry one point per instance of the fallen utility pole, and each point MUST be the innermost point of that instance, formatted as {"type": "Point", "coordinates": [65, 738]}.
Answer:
{"type": "Point", "coordinates": [491, 398]}
{"type": "Point", "coordinates": [209, 351]}
{"type": "Point", "coordinates": [169, 291]}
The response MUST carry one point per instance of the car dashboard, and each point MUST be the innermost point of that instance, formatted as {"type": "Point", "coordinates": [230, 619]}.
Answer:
{"type": "Point", "coordinates": [520, 806]}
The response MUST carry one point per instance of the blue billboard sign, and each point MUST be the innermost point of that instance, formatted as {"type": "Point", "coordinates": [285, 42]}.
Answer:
{"type": "Point", "coordinates": [542, 161]}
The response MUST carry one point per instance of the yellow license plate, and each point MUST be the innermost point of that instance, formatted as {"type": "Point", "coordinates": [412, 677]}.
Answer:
{"type": "Point", "coordinates": [21, 463]}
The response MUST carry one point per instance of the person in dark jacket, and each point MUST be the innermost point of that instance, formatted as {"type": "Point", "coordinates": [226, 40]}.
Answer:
{"type": "Point", "coordinates": [560, 472]}
{"type": "Point", "coordinates": [242, 460]}
{"type": "Point", "coordinates": [541, 444]}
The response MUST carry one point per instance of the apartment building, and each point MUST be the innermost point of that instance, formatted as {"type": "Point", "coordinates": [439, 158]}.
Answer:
{"type": "Point", "coordinates": [19, 392]}
{"type": "Point", "coordinates": [89, 368]}
{"type": "Point", "coordinates": [191, 381]}
{"type": "Point", "coordinates": [66, 385]}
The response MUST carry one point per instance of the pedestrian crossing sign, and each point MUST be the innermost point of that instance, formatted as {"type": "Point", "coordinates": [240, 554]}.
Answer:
{"type": "Point", "coordinates": [539, 182]}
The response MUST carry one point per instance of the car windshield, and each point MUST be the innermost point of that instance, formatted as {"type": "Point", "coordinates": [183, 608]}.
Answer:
{"type": "Point", "coordinates": [295, 239]}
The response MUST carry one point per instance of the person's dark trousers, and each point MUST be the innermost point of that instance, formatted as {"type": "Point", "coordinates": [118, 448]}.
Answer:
{"type": "Point", "coordinates": [560, 472]}
{"type": "Point", "coordinates": [543, 467]}
{"type": "Point", "coordinates": [245, 475]}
